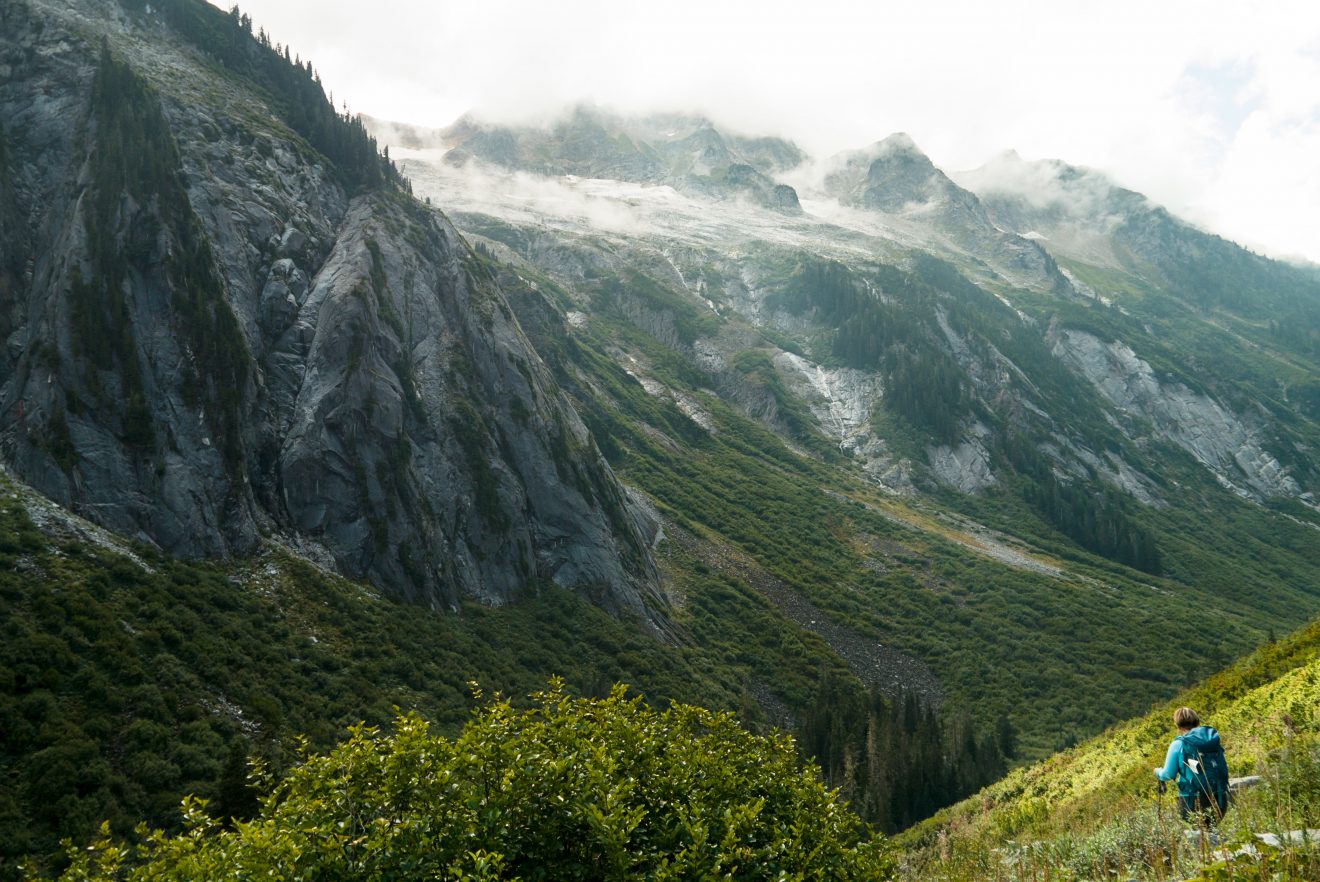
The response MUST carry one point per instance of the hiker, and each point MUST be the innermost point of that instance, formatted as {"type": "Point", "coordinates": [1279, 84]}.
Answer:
{"type": "Point", "coordinates": [1196, 761]}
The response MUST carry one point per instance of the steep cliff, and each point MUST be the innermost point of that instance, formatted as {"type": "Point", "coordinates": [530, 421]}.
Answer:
{"type": "Point", "coordinates": [215, 332]}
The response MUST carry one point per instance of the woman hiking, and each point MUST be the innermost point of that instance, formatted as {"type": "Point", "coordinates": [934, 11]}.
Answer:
{"type": "Point", "coordinates": [1196, 761]}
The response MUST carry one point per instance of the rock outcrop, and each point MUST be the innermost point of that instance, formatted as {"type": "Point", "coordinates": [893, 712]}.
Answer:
{"type": "Point", "coordinates": [893, 177]}
{"type": "Point", "coordinates": [211, 337]}
{"type": "Point", "coordinates": [686, 153]}
{"type": "Point", "coordinates": [1220, 440]}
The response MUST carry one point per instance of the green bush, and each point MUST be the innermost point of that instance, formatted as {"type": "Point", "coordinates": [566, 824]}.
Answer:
{"type": "Point", "coordinates": [571, 788]}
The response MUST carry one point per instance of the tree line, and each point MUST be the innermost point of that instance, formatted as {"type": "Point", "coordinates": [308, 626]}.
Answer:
{"type": "Point", "coordinates": [896, 760]}
{"type": "Point", "coordinates": [922, 384]}
{"type": "Point", "coordinates": [293, 89]}
{"type": "Point", "coordinates": [1092, 516]}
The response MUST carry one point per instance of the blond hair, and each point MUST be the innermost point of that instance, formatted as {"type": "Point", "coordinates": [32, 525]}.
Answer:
{"type": "Point", "coordinates": [1186, 718]}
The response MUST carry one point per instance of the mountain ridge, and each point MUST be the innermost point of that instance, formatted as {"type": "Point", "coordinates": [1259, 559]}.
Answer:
{"type": "Point", "coordinates": [963, 221]}
{"type": "Point", "coordinates": [875, 452]}
{"type": "Point", "coordinates": [204, 460]}
{"type": "Point", "coordinates": [1082, 407]}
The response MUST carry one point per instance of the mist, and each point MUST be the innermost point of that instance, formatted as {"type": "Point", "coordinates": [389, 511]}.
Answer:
{"type": "Point", "coordinates": [1209, 109]}
{"type": "Point", "coordinates": [613, 206]}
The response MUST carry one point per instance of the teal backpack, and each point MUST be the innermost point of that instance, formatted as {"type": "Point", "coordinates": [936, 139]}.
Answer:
{"type": "Point", "coordinates": [1205, 769]}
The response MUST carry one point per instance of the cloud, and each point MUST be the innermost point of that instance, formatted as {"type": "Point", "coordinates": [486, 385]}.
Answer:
{"type": "Point", "coordinates": [528, 198]}
{"type": "Point", "coordinates": [1181, 100]}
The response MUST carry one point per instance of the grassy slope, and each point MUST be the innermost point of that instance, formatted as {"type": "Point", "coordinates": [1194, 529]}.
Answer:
{"type": "Point", "coordinates": [1266, 707]}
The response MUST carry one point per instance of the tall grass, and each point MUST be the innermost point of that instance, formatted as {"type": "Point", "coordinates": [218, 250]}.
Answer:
{"type": "Point", "coordinates": [1268, 833]}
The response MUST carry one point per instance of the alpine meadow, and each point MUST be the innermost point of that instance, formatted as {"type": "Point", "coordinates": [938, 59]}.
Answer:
{"type": "Point", "coordinates": [614, 493]}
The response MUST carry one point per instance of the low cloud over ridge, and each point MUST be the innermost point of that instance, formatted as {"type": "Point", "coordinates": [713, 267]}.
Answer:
{"type": "Point", "coordinates": [1211, 110]}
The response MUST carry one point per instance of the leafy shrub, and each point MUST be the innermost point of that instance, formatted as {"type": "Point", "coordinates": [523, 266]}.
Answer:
{"type": "Point", "coordinates": [1134, 844]}
{"type": "Point", "coordinates": [568, 789]}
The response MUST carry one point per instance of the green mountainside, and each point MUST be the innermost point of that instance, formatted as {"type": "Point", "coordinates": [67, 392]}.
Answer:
{"type": "Point", "coordinates": [905, 573]}
{"type": "Point", "coordinates": [1093, 811]}
{"type": "Point", "coordinates": [1097, 538]}
{"type": "Point", "coordinates": [129, 679]}
{"type": "Point", "coordinates": [569, 788]}
{"type": "Point", "coordinates": [939, 476]}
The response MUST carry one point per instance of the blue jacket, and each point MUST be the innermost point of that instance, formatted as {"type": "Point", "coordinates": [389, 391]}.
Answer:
{"type": "Point", "coordinates": [1175, 764]}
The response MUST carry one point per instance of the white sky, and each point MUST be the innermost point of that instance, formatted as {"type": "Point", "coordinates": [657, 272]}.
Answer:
{"type": "Point", "coordinates": [1211, 108]}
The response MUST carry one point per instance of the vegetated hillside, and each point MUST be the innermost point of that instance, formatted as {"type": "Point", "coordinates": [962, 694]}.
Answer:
{"type": "Point", "coordinates": [231, 332]}
{"type": "Point", "coordinates": [971, 461]}
{"type": "Point", "coordinates": [129, 679]}
{"type": "Point", "coordinates": [1094, 806]}
{"type": "Point", "coordinates": [836, 468]}
{"type": "Point", "coordinates": [1021, 469]}
{"type": "Point", "coordinates": [607, 789]}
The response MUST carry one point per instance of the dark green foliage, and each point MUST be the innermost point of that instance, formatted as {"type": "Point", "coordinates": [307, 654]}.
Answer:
{"type": "Point", "coordinates": [473, 437]}
{"type": "Point", "coordinates": [923, 384]}
{"type": "Point", "coordinates": [121, 689]}
{"type": "Point", "coordinates": [59, 442]}
{"type": "Point", "coordinates": [1006, 737]}
{"type": "Point", "coordinates": [927, 388]}
{"type": "Point", "coordinates": [646, 302]}
{"type": "Point", "coordinates": [292, 89]}
{"type": "Point", "coordinates": [129, 156]}
{"type": "Point", "coordinates": [1301, 333]}
{"type": "Point", "coordinates": [939, 275]}
{"type": "Point", "coordinates": [865, 327]}
{"type": "Point", "coordinates": [1092, 515]}
{"type": "Point", "coordinates": [1307, 397]}
{"type": "Point", "coordinates": [895, 760]}
{"type": "Point", "coordinates": [570, 789]}
{"type": "Point", "coordinates": [236, 799]}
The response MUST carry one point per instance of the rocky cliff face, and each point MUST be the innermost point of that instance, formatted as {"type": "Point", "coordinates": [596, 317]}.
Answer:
{"type": "Point", "coordinates": [895, 178]}
{"type": "Point", "coordinates": [1224, 442]}
{"type": "Point", "coordinates": [210, 339]}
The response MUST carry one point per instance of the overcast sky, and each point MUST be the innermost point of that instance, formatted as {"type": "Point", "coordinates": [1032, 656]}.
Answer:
{"type": "Point", "coordinates": [1211, 108]}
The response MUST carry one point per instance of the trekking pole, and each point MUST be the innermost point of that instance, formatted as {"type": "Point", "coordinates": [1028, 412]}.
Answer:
{"type": "Point", "coordinates": [1169, 840]}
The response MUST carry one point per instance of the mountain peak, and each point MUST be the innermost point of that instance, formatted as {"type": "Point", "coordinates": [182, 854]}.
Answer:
{"type": "Point", "coordinates": [898, 142]}
{"type": "Point", "coordinates": [1066, 190]}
